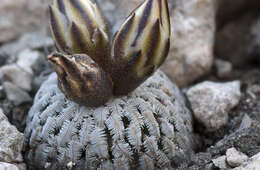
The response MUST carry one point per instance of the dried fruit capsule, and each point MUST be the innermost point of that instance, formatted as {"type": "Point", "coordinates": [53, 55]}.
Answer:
{"type": "Point", "coordinates": [141, 45]}
{"type": "Point", "coordinates": [81, 79]}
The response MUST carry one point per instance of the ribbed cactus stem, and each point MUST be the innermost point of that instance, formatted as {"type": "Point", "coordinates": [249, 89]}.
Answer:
{"type": "Point", "coordinates": [151, 128]}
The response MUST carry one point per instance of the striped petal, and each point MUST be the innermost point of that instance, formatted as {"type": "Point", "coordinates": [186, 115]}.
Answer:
{"type": "Point", "coordinates": [78, 27]}
{"type": "Point", "coordinates": [141, 45]}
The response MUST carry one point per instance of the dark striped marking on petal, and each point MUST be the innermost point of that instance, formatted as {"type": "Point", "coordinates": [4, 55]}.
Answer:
{"type": "Point", "coordinates": [101, 52]}
{"type": "Point", "coordinates": [121, 37]}
{"type": "Point", "coordinates": [133, 60]}
{"type": "Point", "coordinates": [143, 21]}
{"type": "Point", "coordinates": [99, 39]}
{"type": "Point", "coordinates": [69, 66]}
{"type": "Point", "coordinates": [165, 52]}
{"type": "Point", "coordinates": [84, 14]}
{"type": "Point", "coordinates": [160, 10]}
{"type": "Point", "coordinates": [78, 44]}
{"type": "Point", "coordinates": [148, 71]}
{"type": "Point", "coordinates": [168, 14]}
{"type": "Point", "coordinates": [55, 27]}
{"type": "Point", "coordinates": [63, 83]}
{"type": "Point", "coordinates": [154, 42]}
{"type": "Point", "coordinates": [61, 7]}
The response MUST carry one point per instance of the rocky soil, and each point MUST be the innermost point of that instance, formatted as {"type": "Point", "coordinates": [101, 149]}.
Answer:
{"type": "Point", "coordinates": [214, 59]}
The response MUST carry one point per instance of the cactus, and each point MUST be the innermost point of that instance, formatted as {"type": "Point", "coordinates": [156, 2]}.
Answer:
{"type": "Point", "coordinates": [150, 128]}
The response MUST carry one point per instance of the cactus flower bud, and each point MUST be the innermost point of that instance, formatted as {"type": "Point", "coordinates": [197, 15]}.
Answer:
{"type": "Point", "coordinates": [88, 72]}
{"type": "Point", "coordinates": [141, 45]}
{"type": "Point", "coordinates": [78, 27]}
{"type": "Point", "coordinates": [81, 79]}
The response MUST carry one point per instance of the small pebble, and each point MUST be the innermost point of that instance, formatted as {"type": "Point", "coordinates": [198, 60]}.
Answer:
{"type": "Point", "coordinates": [28, 58]}
{"type": "Point", "coordinates": [211, 102]}
{"type": "Point", "coordinates": [15, 74]}
{"type": "Point", "coordinates": [16, 94]}
{"type": "Point", "coordinates": [235, 158]}
{"type": "Point", "coordinates": [220, 162]}
{"type": "Point", "coordinates": [252, 164]}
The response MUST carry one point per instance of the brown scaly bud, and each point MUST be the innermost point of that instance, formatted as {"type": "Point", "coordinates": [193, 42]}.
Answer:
{"type": "Point", "coordinates": [81, 79]}
{"type": "Point", "coordinates": [79, 28]}
{"type": "Point", "coordinates": [141, 45]}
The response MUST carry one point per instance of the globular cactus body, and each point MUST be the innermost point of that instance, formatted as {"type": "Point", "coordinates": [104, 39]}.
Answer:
{"type": "Point", "coordinates": [150, 128]}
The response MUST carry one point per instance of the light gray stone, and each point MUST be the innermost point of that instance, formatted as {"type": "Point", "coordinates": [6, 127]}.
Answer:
{"type": "Point", "coordinates": [32, 40]}
{"type": "Point", "coordinates": [11, 141]}
{"type": "Point", "coordinates": [27, 59]}
{"type": "Point", "coordinates": [17, 17]}
{"type": "Point", "coordinates": [252, 164]}
{"type": "Point", "coordinates": [220, 162]}
{"type": "Point", "coordinates": [193, 29]}
{"type": "Point", "coordinates": [8, 166]}
{"type": "Point", "coordinates": [235, 158]}
{"type": "Point", "coordinates": [192, 40]}
{"type": "Point", "coordinates": [16, 94]}
{"type": "Point", "coordinates": [17, 75]}
{"type": "Point", "coordinates": [223, 68]}
{"type": "Point", "coordinates": [211, 102]}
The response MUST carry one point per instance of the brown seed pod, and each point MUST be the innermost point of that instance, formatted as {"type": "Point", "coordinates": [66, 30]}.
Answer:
{"type": "Point", "coordinates": [81, 79]}
{"type": "Point", "coordinates": [138, 49]}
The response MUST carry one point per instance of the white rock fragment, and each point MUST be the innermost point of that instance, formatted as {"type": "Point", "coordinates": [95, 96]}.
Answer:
{"type": "Point", "coordinates": [7, 166]}
{"type": "Point", "coordinates": [11, 141]}
{"type": "Point", "coordinates": [28, 58]}
{"type": "Point", "coordinates": [220, 162]}
{"type": "Point", "coordinates": [211, 102]}
{"type": "Point", "coordinates": [235, 158]}
{"type": "Point", "coordinates": [16, 94]}
{"type": "Point", "coordinates": [252, 164]}
{"type": "Point", "coordinates": [16, 75]}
